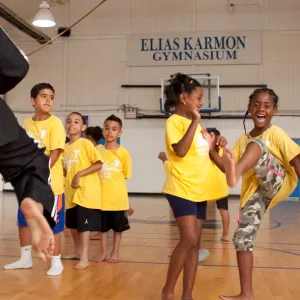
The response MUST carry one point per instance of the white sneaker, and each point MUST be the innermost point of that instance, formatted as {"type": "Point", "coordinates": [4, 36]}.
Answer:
{"type": "Point", "coordinates": [203, 255]}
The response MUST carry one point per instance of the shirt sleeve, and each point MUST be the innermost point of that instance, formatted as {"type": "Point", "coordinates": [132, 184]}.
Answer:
{"type": "Point", "coordinates": [13, 64]}
{"type": "Point", "coordinates": [57, 136]}
{"type": "Point", "coordinates": [92, 152]}
{"type": "Point", "coordinates": [288, 148]}
{"type": "Point", "coordinates": [174, 132]}
{"type": "Point", "coordinates": [127, 165]}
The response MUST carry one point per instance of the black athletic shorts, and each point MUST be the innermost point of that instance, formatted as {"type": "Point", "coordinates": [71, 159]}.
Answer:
{"type": "Point", "coordinates": [223, 203]}
{"type": "Point", "coordinates": [34, 182]}
{"type": "Point", "coordinates": [115, 220]}
{"type": "Point", "coordinates": [83, 219]}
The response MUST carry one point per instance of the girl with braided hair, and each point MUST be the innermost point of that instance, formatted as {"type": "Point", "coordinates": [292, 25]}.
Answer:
{"type": "Point", "coordinates": [268, 161]}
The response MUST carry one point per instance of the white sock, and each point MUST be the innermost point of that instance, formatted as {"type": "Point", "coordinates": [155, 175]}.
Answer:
{"type": "Point", "coordinates": [56, 266]}
{"type": "Point", "coordinates": [25, 261]}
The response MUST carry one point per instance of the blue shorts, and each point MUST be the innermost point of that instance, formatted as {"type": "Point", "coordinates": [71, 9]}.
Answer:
{"type": "Point", "coordinates": [60, 225]}
{"type": "Point", "coordinates": [182, 207]}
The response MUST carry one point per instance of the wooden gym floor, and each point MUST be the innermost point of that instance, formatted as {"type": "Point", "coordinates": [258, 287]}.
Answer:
{"type": "Point", "coordinates": [144, 258]}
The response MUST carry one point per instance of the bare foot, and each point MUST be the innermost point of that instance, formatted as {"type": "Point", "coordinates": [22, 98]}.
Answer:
{"type": "Point", "coordinates": [42, 235]}
{"type": "Point", "coordinates": [165, 296]}
{"type": "Point", "coordinates": [83, 264]}
{"type": "Point", "coordinates": [102, 257]}
{"type": "Point", "coordinates": [238, 297]}
{"type": "Point", "coordinates": [114, 258]}
{"type": "Point", "coordinates": [74, 256]}
{"type": "Point", "coordinates": [225, 238]}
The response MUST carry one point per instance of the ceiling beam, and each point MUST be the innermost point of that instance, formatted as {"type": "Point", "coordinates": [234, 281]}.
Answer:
{"type": "Point", "coordinates": [15, 20]}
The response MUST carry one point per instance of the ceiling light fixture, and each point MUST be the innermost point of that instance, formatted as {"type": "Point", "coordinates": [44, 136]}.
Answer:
{"type": "Point", "coordinates": [44, 16]}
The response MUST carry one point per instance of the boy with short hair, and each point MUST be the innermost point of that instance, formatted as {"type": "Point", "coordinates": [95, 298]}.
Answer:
{"type": "Point", "coordinates": [115, 170]}
{"type": "Point", "coordinates": [48, 132]}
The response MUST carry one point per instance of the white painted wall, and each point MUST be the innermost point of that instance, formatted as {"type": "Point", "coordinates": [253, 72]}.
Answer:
{"type": "Point", "coordinates": [88, 68]}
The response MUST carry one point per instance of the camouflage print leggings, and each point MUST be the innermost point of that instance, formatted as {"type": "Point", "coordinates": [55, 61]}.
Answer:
{"type": "Point", "coordinates": [270, 175]}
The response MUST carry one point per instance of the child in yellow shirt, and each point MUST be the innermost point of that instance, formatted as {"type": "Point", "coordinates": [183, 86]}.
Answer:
{"type": "Point", "coordinates": [116, 169]}
{"type": "Point", "coordinates": [48, 132]}
{"type": "Point", "coordinates": [83, 191]}
{"type": "Point", "coordinates": [185, 187]}
{"type": "Point", "coordinates": [94, 134]}
{"type": "Point", "coordinates": [269, 162]}
{"type": "Point", "coordinates": [220, 182]}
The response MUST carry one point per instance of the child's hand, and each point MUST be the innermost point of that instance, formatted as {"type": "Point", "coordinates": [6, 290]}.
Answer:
{"type": "Point", "coordinates": [162, 156]}
{"type": "Point", "coordinates": [76, 181]}
{"type": "Point", "coordinates": [209, 138]}
{"type": "Point", "coordinates": [130, 211]}
{"type": "Point", "coordinates": [228, 157]}
{"type": "Point", "coordinates": [193, 112]}
{"type": "Point", "coordinates": [221, 142]}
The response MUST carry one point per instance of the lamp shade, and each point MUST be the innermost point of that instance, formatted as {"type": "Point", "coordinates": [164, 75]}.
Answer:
{"type": "Point", "coordinates": [44, 16]}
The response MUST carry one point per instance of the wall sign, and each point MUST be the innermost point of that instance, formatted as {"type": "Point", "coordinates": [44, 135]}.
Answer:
{"type": "Point", "coordinates": [197, 48]}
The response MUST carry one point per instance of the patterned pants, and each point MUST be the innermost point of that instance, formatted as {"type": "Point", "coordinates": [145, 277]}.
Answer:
{"type": "Point", "coordinates": [270, 175]}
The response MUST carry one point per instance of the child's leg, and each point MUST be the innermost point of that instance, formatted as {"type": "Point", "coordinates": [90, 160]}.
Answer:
{"type": "Point", "coordinates": [186, 250]}
{"type": "Point", "coordinates": [190, 270]}
{"type": "Point", "coordinates": [222, 206]}
{"type": "Point", "coordinates": [77, 245]}
{"type": "Point", "coordinates": [225, 224]}
{"type": "Point", "coordinates": [270, 176]}
{"type": "Point", "coordinates": [25, 261]}
{"type": "Point", "coordinates": [201, 217]}
{"type": "Point", "coordinates": [71, 224]}
{"type": "Point", "coordinates": [56, 264]}
{"type": "Point", "coordinates": [119, 223]}
{"type": "Point", "coordinates": [185, 213]}
{"type": "Point", "coordinates": [116, 246]}
{"type": "Point", "coordinates": [103, 243]}
{"type": "Point", "coordinates": [84, 257]}
{"type": "Point", "coordinates": [250, 220]}
{"type": "Point", "coordinates": [87, 220]}
{"type": "Point", "coordinates": [42, 235]}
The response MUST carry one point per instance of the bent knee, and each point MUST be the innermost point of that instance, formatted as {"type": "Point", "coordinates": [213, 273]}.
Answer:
{"type": "Point", "coordinates": [243, 242]}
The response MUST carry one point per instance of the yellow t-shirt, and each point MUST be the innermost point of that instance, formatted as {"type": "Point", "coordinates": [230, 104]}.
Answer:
{"type": "Point", "coordinates": [50, 134]}
{"type": "Point", "coordinates": [188, 176]}
{"type": "Point", "coordinates": [280, 146]}
{"type": "Point", "coordinates": [78, 156]}
{"type": "Point", "coordinates": [116, 168]}
{"type": "Point", "coordinates": [216, 186]}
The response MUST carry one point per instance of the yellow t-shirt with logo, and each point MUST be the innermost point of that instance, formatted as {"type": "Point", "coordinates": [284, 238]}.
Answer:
{"type": "Point", "coordinates": [284, 149]}
{"type": "Point", "coordinates": [50, 134]}
{"type": "Point", "coordinates": [189, 177]}
{"type": "Point", "coordinates": [78, 156]}
{"type": "Point", "coordinates": [116, 169]}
